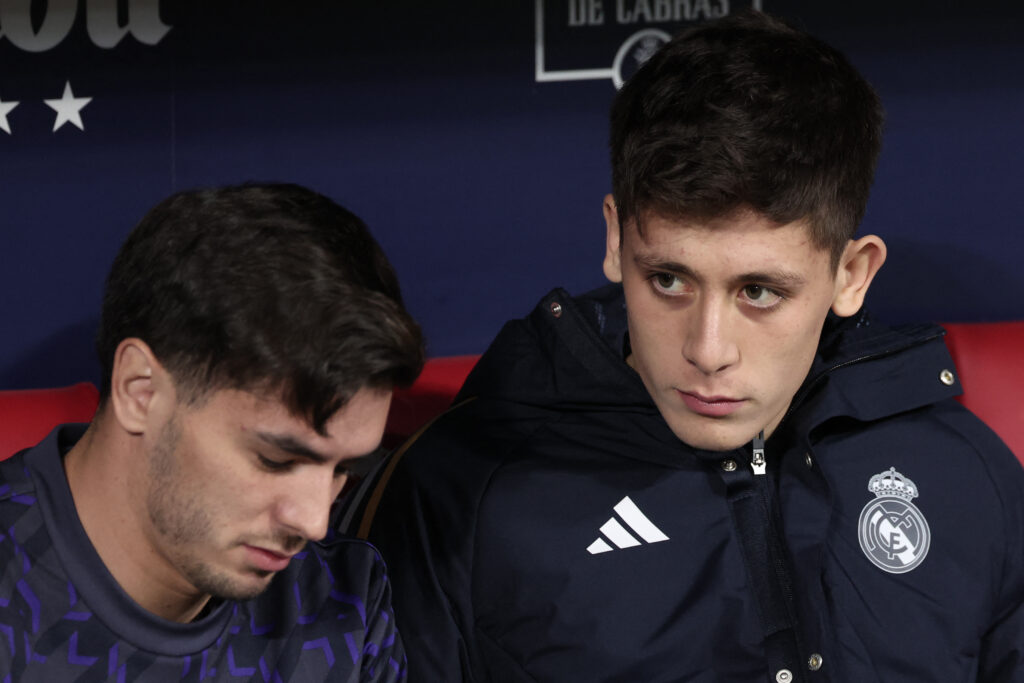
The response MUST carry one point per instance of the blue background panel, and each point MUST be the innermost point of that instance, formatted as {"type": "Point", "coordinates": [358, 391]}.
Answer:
{"type": "Point", "coordinates": [483, 184]}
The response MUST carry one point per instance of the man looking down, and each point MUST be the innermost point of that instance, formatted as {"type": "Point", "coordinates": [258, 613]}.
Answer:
{"type": "Point", "coordinates": [250, 339]}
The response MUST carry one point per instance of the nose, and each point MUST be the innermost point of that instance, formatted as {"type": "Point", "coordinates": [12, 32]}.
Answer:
{"type": "Point", "coordinates": [306, 507]}
{"type": "Point", "coordinates": [709, 343]}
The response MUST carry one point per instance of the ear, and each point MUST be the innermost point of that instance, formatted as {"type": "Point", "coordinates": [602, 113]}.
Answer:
{"type": "Point", "coordinates": [613, 241]}
{"type": "Point", "coordinates": [139, 386]}
{"type": "Point", "coordinates": [861, 259]}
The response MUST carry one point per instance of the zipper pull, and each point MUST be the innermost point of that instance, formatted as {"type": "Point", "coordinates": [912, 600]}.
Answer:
{"type": "Point", "coordinates": [757, 463]}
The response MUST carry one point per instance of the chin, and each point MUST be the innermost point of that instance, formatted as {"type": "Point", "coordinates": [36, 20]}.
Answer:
{"type": "Point", "coordinates": [713, 437]}
{"type": "Point", "coordinates": [242, 593]}
{"type": "Point", "coordinates": [239, 590]}
{"type": "Point", "coordinates": [228, 585]}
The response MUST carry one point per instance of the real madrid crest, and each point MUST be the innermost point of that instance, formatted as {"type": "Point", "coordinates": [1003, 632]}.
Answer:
{"type": "Point", "coordinates": [893, 532]}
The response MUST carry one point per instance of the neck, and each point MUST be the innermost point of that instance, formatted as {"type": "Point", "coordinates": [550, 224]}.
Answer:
{"type": "Point", "coordinates": [107, 474]}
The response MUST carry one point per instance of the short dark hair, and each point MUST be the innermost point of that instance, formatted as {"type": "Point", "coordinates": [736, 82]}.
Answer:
{"type": "Point", "coordinates": [747, 112]}
{"type": "Point", "coordinates": [261, 287]}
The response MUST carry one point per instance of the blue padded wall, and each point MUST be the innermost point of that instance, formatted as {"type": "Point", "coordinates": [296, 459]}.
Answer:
{"type": "Point", "coordinates": [482, 180]}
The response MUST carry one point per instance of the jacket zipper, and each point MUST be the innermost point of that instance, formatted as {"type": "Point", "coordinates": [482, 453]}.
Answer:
{"type": "Point", "coordinates": [757, 460]}
{"type": "Point", "coordinates": [774, 570]}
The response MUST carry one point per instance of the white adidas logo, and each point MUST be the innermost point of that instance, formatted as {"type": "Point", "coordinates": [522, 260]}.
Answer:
{"type": "Point", "coordinates": [617, 534]}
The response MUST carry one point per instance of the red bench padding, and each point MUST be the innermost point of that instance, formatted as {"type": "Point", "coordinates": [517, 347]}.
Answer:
{"type": "Point", "coordinates": [990, 361]}
{"type": "Point", "coordinates": [989, 358]}
{"type": "Point", "coordinates": [28, 415]}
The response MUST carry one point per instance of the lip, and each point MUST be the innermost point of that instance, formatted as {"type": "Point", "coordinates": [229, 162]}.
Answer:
{"type": "Point", "coordinates": [710, 406]}
{"type": "Point", "coordinates": [267, 560]}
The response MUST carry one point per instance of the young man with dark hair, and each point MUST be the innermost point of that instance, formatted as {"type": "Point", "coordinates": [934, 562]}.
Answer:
{"type": "Point", "coordinates": [717, 468]}
{"type": "Point", "coordinates": [250, 339]}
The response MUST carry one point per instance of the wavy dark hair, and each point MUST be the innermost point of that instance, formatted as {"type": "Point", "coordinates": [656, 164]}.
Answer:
{"type": "Point", "coordinates": [261, 287]}
{"type": "Point", "coordinates": [747, 112]}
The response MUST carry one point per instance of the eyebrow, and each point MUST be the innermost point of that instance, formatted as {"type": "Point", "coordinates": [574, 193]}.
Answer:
{"type": "Point", "coordinates": [773, 278]}
{"type": "Point", "coordinates": [290, 444]}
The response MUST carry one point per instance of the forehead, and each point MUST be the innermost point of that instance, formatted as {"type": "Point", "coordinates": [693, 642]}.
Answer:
{"type": "Point", "coordinates": [742, 240]}
{"type": "Point", "coordinates": [355, 429]}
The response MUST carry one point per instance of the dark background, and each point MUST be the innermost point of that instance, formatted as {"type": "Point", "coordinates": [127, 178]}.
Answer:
{"type": "Point", "coordinates": [483, 185]}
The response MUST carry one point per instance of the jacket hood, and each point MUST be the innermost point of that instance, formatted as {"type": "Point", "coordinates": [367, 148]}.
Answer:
{"type": "Point", "coordinates": [568, 354]}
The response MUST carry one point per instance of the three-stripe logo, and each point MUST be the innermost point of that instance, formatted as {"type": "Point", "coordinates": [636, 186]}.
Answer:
{"type": "Point", "coordinates": [614, 531]}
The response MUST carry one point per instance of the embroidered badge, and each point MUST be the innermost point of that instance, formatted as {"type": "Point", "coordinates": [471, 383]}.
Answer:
{"type": "Point", "coordinates": [893, 533]}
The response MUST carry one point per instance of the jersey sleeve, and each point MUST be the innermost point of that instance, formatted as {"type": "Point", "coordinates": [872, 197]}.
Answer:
{"type": "Point", "coordinates": [385, 660]}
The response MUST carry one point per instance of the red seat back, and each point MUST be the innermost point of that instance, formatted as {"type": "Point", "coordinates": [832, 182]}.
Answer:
{"type": "Point", "coordinates": [28, 415]}
{"type": "Point", "coordinates": [989, 358]}
{"type": "Point", "coordinates": [990, 361]}
{"type": "Point", "coordinates": [430, 396]}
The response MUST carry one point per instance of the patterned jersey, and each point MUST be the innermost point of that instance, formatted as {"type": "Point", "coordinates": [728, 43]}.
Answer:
{"type": "Point", "coordinates": [63, 617]}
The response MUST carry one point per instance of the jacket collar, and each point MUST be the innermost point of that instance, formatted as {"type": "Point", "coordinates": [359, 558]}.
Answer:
{"type": "Point", "coordinates": [867, 371]}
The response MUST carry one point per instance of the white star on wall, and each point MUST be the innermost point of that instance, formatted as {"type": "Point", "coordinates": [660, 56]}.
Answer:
{"type": "Point", "coordinates": [5, 109]}
{"type": "Point", "coordinates": [68, 108]}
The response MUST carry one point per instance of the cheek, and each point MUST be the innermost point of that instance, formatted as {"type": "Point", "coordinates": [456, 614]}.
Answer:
{"type": "Point", "coordinates": [646, 313]}
{"type": "Point", "coordinates": [650, 337]}
{"type": "Point", "coordinates": [217, 476]}
{"type": "Point", "coordinates": [797, 341]}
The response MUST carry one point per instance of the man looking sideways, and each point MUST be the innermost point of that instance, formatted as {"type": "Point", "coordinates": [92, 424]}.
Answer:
{"type": "Point", "coordinates": [718, 468]}
{"type": "Point", "coordinates": [250, 339]}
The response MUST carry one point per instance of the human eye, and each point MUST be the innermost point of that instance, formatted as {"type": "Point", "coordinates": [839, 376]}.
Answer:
{"type": "Point", "coordinates": [667, 284]}
{"type": "Point", "coordinates": [761, 297]}
{"type": "Point", "coordinates": [273, 465]}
